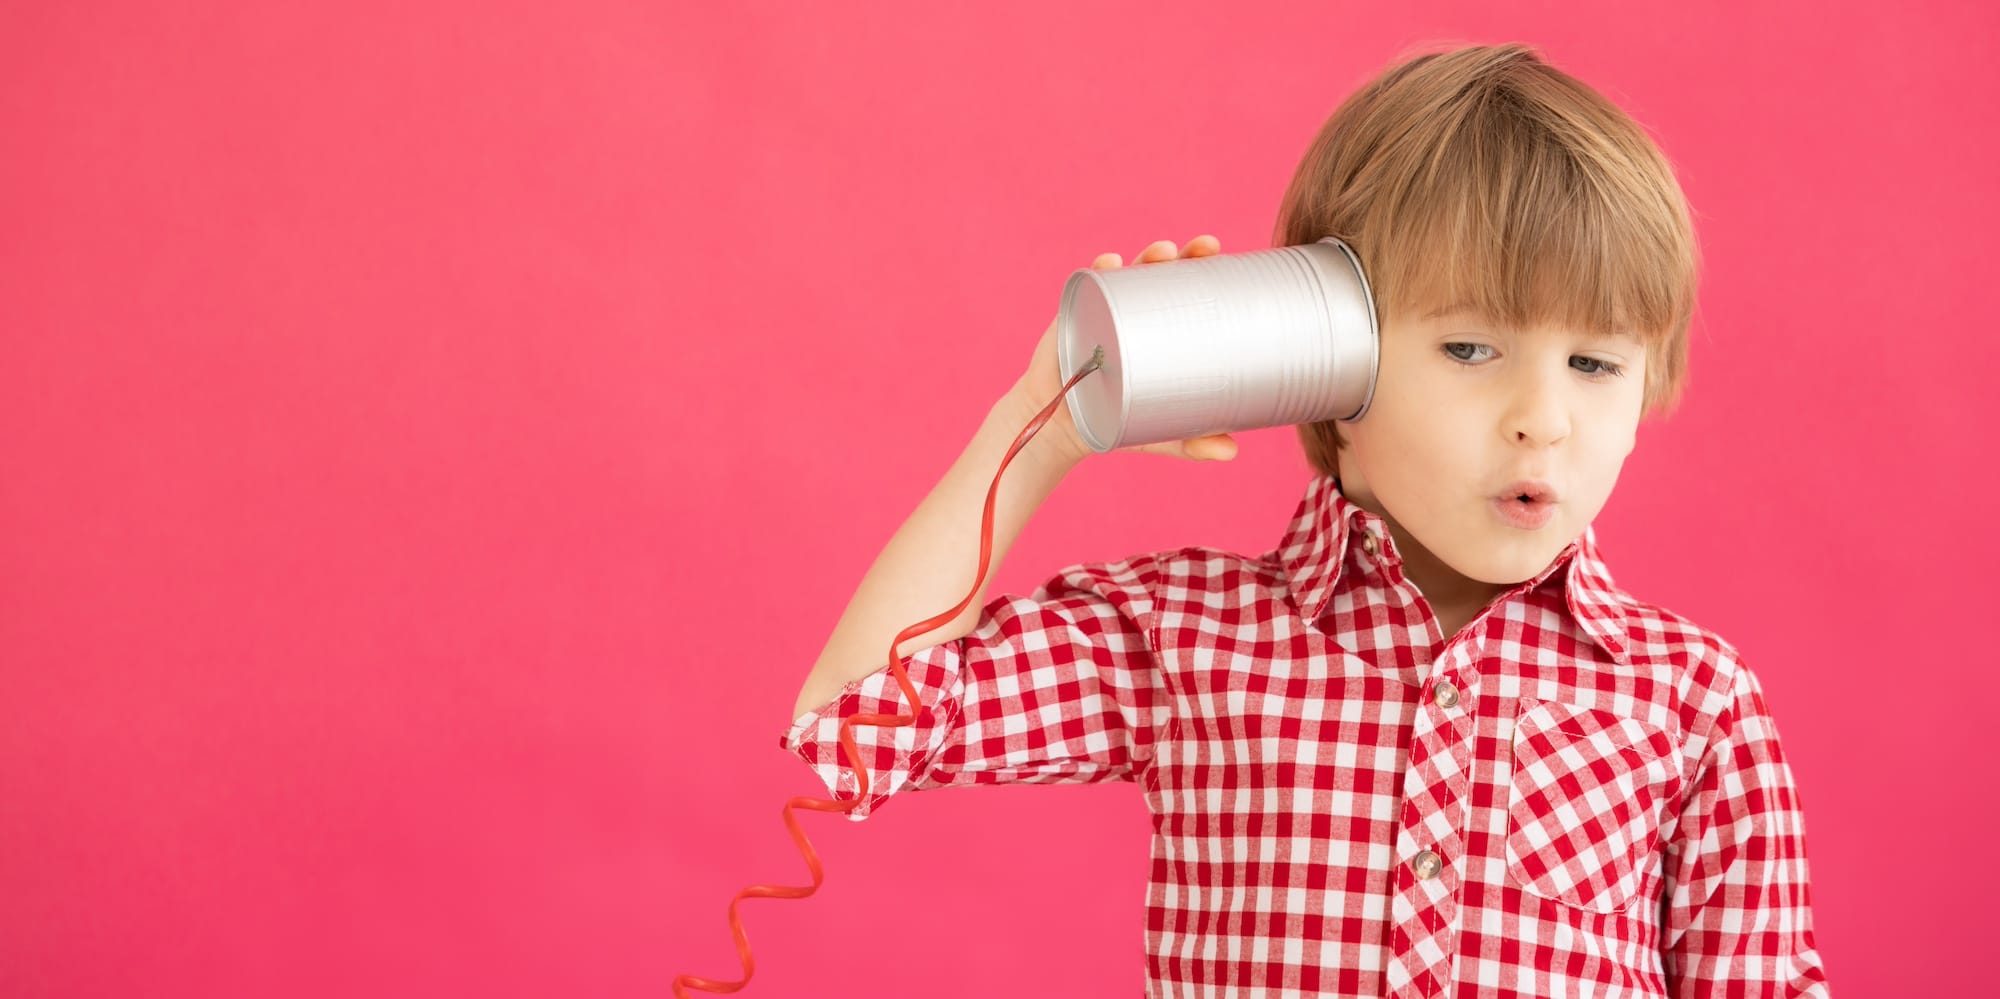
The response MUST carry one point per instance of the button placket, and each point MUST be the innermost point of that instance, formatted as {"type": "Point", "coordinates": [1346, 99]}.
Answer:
{"type": "Point", "coordinates": [1435, 808]}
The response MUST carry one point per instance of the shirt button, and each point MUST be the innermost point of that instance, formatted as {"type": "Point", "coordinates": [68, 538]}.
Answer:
{"type": "Point", "coordinates": [1446, 694]}
{"type": "Point", "coordinates": [1426, 864]}
{"type": "Point", "coordinates": [1368, 543]}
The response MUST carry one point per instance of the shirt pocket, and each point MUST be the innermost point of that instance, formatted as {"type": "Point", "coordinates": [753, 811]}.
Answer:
{"type": "Point", "coordinates": [1584, 806]}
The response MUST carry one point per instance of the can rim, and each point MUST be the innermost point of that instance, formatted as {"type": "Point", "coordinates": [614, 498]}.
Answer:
{"type": "Point", "coordinates": [1374, 326]}
{"type": "Point", "coordinates": [1066, 332]}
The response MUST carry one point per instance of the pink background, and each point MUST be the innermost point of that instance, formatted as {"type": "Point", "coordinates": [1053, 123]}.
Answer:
{"type": "Point", "coordinates": [436, 439]}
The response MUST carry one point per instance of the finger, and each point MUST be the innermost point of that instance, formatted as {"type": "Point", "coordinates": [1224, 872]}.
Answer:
{"type": "Point", "coordinates": [1106, 261]}
{"type": "Point", "coordinates": [1156, 251]}
{"type": "Point", "coordinates": [1202, 246]}
{"type": "Point", "coordinates": [1215, 447]}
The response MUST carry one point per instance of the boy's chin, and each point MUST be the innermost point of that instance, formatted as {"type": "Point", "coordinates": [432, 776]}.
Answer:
{"type": "Point", "coordinates": [1508, 566]}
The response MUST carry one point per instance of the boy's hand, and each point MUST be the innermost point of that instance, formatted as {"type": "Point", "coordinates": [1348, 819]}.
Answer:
{"type": "Point", "coordinates": [1043, 379]}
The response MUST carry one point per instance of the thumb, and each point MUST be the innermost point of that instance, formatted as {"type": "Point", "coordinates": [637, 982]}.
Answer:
{"type": "Point", "coordinates": [1214, 447]}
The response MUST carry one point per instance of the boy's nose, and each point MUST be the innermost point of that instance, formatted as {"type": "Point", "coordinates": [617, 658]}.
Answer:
{"type": "Point", "coordinates": [1539, 416]}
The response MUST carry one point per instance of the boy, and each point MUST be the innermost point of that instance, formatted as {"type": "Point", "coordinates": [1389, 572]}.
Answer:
{"type": "Point", "coordinates": [1425, 746]}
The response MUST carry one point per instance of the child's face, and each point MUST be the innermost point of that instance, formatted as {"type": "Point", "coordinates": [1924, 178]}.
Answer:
{"type": "Point", "coordinates": [1446, 433]}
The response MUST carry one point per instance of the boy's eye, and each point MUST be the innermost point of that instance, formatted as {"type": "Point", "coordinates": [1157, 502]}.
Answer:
{"type": "Point", "coordinates": [1593, 367]}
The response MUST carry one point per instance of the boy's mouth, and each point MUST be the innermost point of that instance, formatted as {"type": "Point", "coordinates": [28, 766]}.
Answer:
{"type": "Point", "coordinates": [1528, 491]}
{"type": "Point", "coordinates": [1526, 509]}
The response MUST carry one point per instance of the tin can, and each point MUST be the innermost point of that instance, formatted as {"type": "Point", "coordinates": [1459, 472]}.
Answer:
{"type": "Point", "coordinates": [1212, 345]}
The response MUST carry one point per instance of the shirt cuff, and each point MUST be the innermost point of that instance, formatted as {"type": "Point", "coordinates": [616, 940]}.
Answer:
{"type": "Point", "coordinates": [895, 755]}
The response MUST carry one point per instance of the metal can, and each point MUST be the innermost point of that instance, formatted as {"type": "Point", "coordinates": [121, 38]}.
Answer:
{"type": "Point", "coordinates": [1211, 345]}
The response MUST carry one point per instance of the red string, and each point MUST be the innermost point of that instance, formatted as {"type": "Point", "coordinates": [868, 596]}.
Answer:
{"type": "Point", "coordinates": [848, 749]}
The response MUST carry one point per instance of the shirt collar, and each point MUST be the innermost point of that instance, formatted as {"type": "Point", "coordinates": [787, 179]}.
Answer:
{"type": "Point", "coordinates": [1314, 549]}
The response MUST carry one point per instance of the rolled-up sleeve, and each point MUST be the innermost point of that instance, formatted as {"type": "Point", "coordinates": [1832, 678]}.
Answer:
{"type": "Point", "coordinates": [1059, 686]}
{"type": "Point", "coordinates": [1737, 917]}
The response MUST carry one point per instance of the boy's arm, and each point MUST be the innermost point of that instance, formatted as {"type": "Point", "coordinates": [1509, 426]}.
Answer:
{"type": "Point", "coordinates": [1054, 687]}
{"type": "Point", "coordinates": [1738, 904]}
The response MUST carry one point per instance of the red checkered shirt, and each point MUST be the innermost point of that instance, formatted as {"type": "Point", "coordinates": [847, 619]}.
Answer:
{"type": "Point", "coordinates": [1579, 794]}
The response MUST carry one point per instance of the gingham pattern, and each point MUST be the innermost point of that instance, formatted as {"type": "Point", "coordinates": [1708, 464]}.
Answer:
{"type": "Point", "coordinates": [1606, 799]}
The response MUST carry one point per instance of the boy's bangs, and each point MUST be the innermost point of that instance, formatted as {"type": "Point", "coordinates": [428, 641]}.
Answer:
{"type": "Point", "coordinates": [1526, 239]}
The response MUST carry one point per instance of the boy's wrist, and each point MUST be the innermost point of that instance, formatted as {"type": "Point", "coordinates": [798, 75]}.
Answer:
{"type": "Point", "coordinates": [1055, 448]}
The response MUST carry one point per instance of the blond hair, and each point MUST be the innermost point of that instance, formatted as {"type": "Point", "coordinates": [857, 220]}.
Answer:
{"type": "Point", "coordinates": [1484, 177]}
